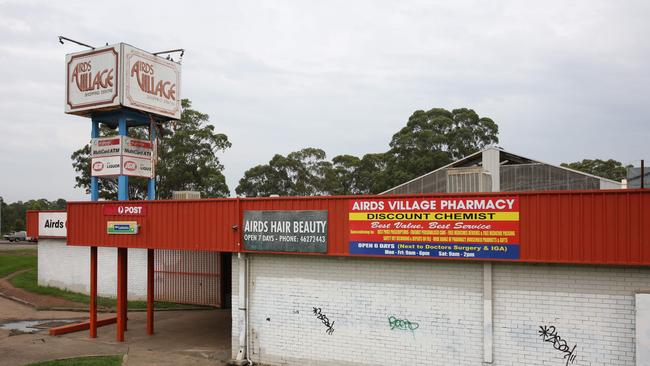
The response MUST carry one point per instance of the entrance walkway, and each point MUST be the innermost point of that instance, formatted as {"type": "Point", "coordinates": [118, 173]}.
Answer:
{"type": "Point", "coordinates": [190, 337]}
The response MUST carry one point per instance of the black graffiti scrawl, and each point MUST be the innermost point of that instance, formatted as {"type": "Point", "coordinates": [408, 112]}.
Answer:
{"type": "Point", "coordinates": [549, 334]}
{"type": "Point", "coordinates": [323, 318]}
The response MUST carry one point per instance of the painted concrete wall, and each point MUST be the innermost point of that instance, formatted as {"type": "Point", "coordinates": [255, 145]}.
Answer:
{"type": "Point", "coordinates": [68, 267]}
{"type": "Point", "coordinates": [540, 312]}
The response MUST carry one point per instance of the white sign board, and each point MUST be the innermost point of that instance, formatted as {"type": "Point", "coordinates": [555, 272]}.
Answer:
{"type": "Point", "coordinates": [122, 155]}
{"type": "Point", "coordinates": [106, 166]}
{"type": "Point", "coordinates": [106, 146]}
{"type": "Point", "coordinates": [92, 79]}
{"type": "Point", "coordinates": [151, 83]}
{"type": "Point", "coordinates": [136, 147]}
{"type": "Point", "coordinates": [137, 167]}
{"type": "Point", "coordinates": [52, 224]}
{"type": "Point", "coordinates": [121, 75]}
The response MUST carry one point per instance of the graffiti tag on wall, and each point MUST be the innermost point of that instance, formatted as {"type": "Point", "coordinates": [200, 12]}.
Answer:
{"type": "Point", "coordinates": [323, 318]}
{"type": "Point", "coordinates": [549, 334]}
{"type": "Point", "coordinates": [402, 324]}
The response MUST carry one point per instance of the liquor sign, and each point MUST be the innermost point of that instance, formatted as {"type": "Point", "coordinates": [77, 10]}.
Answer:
{"type": "Point", "coordinates": [286, 231]}
{"type": "Point", "coordinates": [463, 228]}
{"type": "Point", "coordinates": [52, 224]}
{"type": "Point", "coordinates": [137, 167]}
{"type": "Point", "coordinates": [122, 76]}
{"type": "Point", "coordinates": [122, 227]}
{"type": "Point", "coordinates": [122, 155]}
{"type": "Point", "coordinates": [106, 166]}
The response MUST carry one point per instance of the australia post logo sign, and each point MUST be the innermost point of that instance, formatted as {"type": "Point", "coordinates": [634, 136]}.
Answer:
{"type": "Point", "coordinates": [125, 210]}
{"type": "Point", "coordinates": [92, 79]}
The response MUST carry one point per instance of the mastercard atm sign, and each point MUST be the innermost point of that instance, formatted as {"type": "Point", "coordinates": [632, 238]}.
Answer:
{"type": "Point", "coordinates": [459, 228]}
{"type": "Point", "coordinates": [122, 155]}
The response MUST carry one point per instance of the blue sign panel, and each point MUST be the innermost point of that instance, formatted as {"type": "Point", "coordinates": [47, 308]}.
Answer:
{"type": "Point", "coordinates": [436, 250]}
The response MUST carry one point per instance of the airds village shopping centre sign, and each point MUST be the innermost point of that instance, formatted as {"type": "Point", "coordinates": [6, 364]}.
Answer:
{"type": "Point", "coordinates": [119, 76]}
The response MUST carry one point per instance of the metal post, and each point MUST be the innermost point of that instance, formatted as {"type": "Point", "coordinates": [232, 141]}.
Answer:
{"type": "Point", "coordinates": [151, 191]}
{"type": "Point", "coordinates": [150, 290]}
{"type": "Point", "coordinates": [120, 294]}
{"type": "Point", "coordinates": [642, 173]}
{"type": "Point", "coordinates": [125, 297]}
{"type": "Point", "coordinates": [122, 195]}
{"type": "Point", "coordinates": [94, 196]}
{"type": "Point", "coordinates": [93, 292]}
{"type": "Point", "coordinates": [242, 315]}
{"type": "Point", "coordinates": [94, 183]}
{"type": "Point", "coordinates": [122, 180]}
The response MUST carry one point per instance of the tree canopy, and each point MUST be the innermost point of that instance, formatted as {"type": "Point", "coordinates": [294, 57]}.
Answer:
{"type": "Point", "coordinates": [187, 159]}
{"type": "Point", "coordinates": [14, 214]}
{"type": "Point", "coordinates": [301, 173]}
{"type": "Point", "coordinates": [610, 169]}
{"type": "Point", "coordinates": [430, 139]}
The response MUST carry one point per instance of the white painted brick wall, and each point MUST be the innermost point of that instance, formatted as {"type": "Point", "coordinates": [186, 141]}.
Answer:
{"type": "Point", "coordinates": [591, 307]}
{"type": "Point", "coordinates": [68, 267]}
{"type": "Point", "coordinates": [359, 295]}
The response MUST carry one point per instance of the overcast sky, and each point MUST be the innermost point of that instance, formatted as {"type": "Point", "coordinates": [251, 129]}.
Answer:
{"type": "Point", "coordinates": [564, 80]}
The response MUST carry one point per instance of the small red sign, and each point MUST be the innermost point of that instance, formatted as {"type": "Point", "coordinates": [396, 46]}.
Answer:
{"type": "Point", "coordinates": [139, 143]}
{"type": "Point", "coordinates": [130, 165]}
{"type": "Point", "coordinates": [125, 210]}
{"type": "Point", "coordinates": [108, 142]}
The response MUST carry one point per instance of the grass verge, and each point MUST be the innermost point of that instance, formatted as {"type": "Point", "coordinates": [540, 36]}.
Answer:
{"type": "Point", "coordinates": [83, 361]}
{"type": "Point", "coordinates": [15, 260]}
{"type": "Point", "coordinates": [28, 281]}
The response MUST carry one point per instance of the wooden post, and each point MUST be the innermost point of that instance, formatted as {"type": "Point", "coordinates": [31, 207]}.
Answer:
{"type": "Point", "coordinates": [150, 290]}
{"type": "Point", "coordinates": [93, 292]}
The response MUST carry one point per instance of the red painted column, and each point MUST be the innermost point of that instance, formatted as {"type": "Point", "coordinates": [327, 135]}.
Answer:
{"type": "Point", "coordinates": [120, 294]}
{"type": "Point", "coordinates": [93, 292]}
{"type": "Point", "coordinates": [125, 289]}
{"type": "Point", "coordinates": [150, 291]}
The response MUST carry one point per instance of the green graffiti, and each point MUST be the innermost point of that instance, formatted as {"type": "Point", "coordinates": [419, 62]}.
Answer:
{"type": "Point", "coordinates": [402, 324]}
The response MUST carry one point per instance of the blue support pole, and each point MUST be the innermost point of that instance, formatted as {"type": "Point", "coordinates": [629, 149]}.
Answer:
{"type": "Point", "coordinates": [122, 180]}
{"type": "Point", "coordinates": [94, 183]}
{"type": "Point", "coordinates": [151, 188]}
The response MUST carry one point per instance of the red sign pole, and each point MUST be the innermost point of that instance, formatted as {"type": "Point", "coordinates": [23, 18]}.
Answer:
{"type": "Point", "coordinates": [93, 292]}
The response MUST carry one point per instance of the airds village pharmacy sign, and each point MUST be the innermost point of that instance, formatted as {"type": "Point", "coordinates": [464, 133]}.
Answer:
{"type": "Point", "coordinates": [118, 76]}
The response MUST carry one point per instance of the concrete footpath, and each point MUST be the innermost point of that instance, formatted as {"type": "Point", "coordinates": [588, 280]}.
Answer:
{"type": "Point", "coordinates": [188, 337]}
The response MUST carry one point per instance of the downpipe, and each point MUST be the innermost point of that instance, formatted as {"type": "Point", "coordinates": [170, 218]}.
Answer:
{"type": "Point", "coordinates": [243, 316]}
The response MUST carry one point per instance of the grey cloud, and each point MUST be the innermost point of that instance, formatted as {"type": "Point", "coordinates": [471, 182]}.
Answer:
{"type": "Point", "coordinates": [565, 81]}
